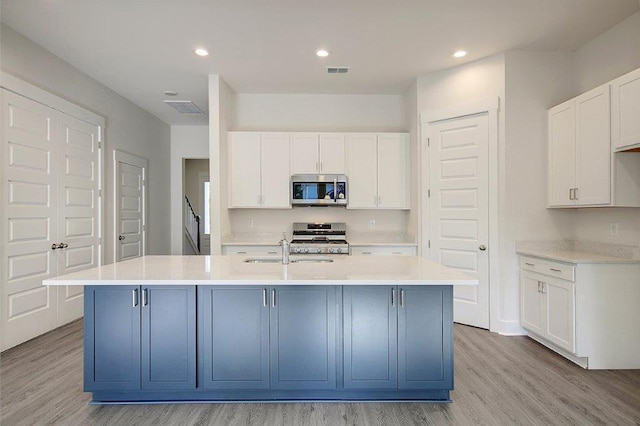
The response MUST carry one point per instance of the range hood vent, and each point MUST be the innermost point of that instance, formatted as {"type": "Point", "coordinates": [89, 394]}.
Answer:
{"type": "Point", "coordinates": [337, 70]}
{"type": "Point", "coordinates": [185, 107]}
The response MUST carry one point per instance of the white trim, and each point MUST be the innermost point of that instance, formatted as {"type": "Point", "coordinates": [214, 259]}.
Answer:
{"type": "Point", "coordinates": [490, 106]}
{"type": "Point", "coordinates": [121, 156]}
{"type": "Point", "coordinates": [28, 90]}
{"type": "Point", "coordinates": [510, 328]}
{"type": "Point", "coordinates": [471, 108]}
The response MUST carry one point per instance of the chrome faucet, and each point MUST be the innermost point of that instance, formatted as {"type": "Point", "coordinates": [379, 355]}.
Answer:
{"type": "Point", "coordinates": [285, 249]}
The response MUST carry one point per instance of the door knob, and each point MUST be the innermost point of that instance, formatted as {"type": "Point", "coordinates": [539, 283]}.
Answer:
{"type": "Point", "coordinates": [482, 247]}
{"type": "Point", "coordinates": [121, 237]}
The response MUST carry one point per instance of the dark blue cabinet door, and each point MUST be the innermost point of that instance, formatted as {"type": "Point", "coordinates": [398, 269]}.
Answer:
{"type": "Point", "coordinates": [111, 338]}
{"type": "Point", "coordinates": [425, 337]}
{"type": "Point", "coordinates": [168, 337]}
{"type": "Point", "coordinates": [234, 337]}
{"type": "Point", "coordinates": [303, 337]}
{"type": "Point", "coordinates": [370, 337]}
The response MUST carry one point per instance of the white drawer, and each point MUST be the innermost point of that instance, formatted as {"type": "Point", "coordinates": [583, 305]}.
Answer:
{"type": "Point", "coordinates": [560, 270]}
{"type": "Point", "coordinates": [384, 250]}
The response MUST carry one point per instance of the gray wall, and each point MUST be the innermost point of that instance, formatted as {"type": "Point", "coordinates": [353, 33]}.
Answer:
{"type": "Point", "coordinates": [128, 128]}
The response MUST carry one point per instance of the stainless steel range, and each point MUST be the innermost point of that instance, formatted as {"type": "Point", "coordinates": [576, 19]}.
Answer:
{"type": "Point", "coordinates": [319, 238]}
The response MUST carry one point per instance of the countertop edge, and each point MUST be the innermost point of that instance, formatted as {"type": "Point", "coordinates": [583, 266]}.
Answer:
{"type": "Point", "coordinates": [586, 258]}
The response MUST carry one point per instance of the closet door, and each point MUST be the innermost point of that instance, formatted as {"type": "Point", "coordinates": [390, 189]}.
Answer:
{"type": "Point", "coordinates": [78, 205]}
{"type": "Point", "coordinates": [29, 216]}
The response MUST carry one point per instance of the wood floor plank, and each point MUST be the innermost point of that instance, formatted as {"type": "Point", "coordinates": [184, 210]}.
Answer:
{"type": "Point", "coordinates": [498, 381]}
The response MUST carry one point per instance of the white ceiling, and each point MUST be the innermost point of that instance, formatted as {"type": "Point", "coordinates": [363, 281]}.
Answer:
{"type": "Point", "coordinates": [140, 48]}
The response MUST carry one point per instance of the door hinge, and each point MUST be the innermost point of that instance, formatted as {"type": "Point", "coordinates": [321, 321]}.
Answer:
{"type": "Point", "coordinates": [428, 142]}
{"type": "Point", "coordinates": [99, 145]}
{"type": "Point", "coordinates": [99, 192]}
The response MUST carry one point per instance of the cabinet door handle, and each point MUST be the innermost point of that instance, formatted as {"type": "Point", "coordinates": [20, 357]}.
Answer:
{"type": "Point", "coordinates": [575, 193]}
{"type": "Point", "coordinates": [539, 291]}
{"type": "Point", "coordinates": [401, 297]}
{"type": "Point", "coordinates": [272, 252]}
{"type": "Point", "coordinates": [366, 252]}
{"type": "Point", "coordinates": [393, 296]}
{"type": "Point", "coordinates": [264, 297]}
{"type": "Point", "coordinates": [396, 252]}
{"type": "Point", "coordinates": [571, 193]}
{"type": "Point", "coordinates": [544, 289]}
{"type": "Point", "coordinates": [555, 270]}
{"type": "Point", "coordinates": [134, 296]}
{"type": "Point", "coordinates": [529, 264]}
{"type": "Point", "coordinates": [145, 300]}
{"type": "Point", "coordinates": [241, 252]}
{"type": "Point", "coordinates": [273, 297]}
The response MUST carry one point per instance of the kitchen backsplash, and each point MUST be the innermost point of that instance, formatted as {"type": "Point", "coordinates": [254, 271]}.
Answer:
{"type": "Point", "coordinates": [360, 221]}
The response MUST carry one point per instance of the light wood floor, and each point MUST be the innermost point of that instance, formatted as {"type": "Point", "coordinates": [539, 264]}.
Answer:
{"type": "Point", "coordinates": [498, 381]}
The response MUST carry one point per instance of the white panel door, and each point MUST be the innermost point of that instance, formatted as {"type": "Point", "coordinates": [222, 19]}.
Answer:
{"type": "Point", "coordinates": [593, 147]}
{"type": "Point", "coordinates": [244, 169]}
{"type": "Point", "coordinates": [304, 153]}
{"type": "Point", "coordinates": [362, 173]}
{"type": "Point", "coordinates": [29, 212]}
{"type": "Point", "coordinates": [393, 171]}
{"type": "Point", "coordinates": [459, 209]}
{"type": "Point", "coordinates": [625, 104]}
{"type": "Point", "coordinates": [560, 312]}
{"type": "Point", "coordinates": [332, 153]}
{"type": "Point", "coordinates": [561, 154]}
{"type": "Point", "coordinates": [532, 315]}
{"type": "Point", "coordinates": [78, 206]}
{"type": "Point", "coordinates": [130, 205]}
{"type": "Point", "coordinates": [275, 170]}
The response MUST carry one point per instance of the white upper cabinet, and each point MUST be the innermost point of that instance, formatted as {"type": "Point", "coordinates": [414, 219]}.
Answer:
{"type": "Point", "coordinates": [362, 173]}
{"type": "Point", "coordinates": [313, 153]}
{"type": "Point", "coordinates": [378, 170]}
{"type": "Point", "coordinates": [580, 151]}
{"type": "Point", "coordinates": [259, 170]}
{"type": "Point", "coordinates": [582, 169]}
{"type": "Point", "coordinates": [625, 112]}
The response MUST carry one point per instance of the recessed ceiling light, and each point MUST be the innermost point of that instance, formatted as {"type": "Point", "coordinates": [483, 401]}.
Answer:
{"type": "Point", "coordinates": [201, 51]}
{"type": "Point", "coordinates": [460, 54]}
{"type": "Point", "coordinates": [170, 93]}
{"type": "Point", "coordinates": [322, 53]}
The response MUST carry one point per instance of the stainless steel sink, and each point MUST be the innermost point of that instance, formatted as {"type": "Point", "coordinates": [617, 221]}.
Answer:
{"type": "Point", "coordinates": [262, 260]}
{"type": "Point", "coordinates": [276, 260]}
{"type": "Point", "coordinates": [312, 260]}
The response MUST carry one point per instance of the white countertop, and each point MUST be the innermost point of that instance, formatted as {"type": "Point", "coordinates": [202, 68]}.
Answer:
{"type": "Point", "coordinates": [354, 239]}
{"type": "Point", "coordinates": [231, 270]}
{"type": "Point", "coordinates": [569, 256]}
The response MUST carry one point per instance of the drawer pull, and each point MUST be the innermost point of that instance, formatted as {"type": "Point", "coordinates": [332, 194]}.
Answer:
{"type": "Point", "coordinates": [272, 252]}
{"type": "Point", "coordinates": [366, 252]}
{"type": "Point", "coordinates": [555, 270]}
{"type": "Point", "coordinates": [396, 252]}
{"type": "Point", "coordinates": [529, 264]}
{"type": "Point", "coordinates": [241, 252]}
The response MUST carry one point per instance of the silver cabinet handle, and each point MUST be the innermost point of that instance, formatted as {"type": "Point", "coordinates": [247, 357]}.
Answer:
{"type": "Point", "coordinates": [145, 299]}
{"type": "Point", "coordinates": [571, 193]}
{"type": "Point", "coordinates": [393, 296]}
{"type": "Point", "coordinates": [529, 264]}
{"type": "Point", "coordinates": [539, 283]}
{"type": "Point", "coordinates": [134, 296]}
{"type": "Point", "coordinates": [401, 297]}
{"type": "Point", "coordinates": [264, 297]}
{"type": "Point", "coordinates": [544, 290]}
{"type": "Point", "coordinates": [555, 270]}
{"type": "Point", "coordinates": [366, 252]}
{"type": "Point", "coordinates": [273, 297]}
{"type": "Point", "coordinates": [241, 252]}
{"type": "Point", "coordinates": [575, 193]}
{"type": "Point", "coordinates": [272, 252]}
{"type": "Point", "coordinates": [396, 252]}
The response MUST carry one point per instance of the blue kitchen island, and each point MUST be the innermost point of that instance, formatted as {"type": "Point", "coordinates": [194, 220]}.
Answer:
{"type": "Point", "coordinates": [216, 328]}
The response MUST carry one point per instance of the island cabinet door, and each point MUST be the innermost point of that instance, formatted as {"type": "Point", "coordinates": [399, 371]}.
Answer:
{"type": "Point", "coordinates": [233, 333]}
{"type": "Point", "coordinates": [111, 338]}
{"type": "Point", "coordinates": [370, 337]}
{"type": "Point", "coordinates": [168, 337]}
{"type": "Point", "coordinates": [303, 337]}
{"type": "Point", "coordinates": [425, 337]}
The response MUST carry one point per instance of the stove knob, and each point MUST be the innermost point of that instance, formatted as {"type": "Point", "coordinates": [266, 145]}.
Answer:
{"type": "Point", "coordinates": [298, 249]}
{"type": "Point", "coordinates": [306, 250]}
{"type": "Point", "coordinates": [317, 250]}
{"type": "Point", "coordinates": [332, 250]}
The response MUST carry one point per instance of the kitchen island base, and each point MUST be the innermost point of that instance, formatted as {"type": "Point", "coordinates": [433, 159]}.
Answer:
{"type": "Point", "coordinates": [254, 343]}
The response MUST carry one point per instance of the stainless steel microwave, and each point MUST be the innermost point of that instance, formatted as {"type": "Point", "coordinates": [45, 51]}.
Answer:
{"type": "Point", "coordinates": [318, 190]}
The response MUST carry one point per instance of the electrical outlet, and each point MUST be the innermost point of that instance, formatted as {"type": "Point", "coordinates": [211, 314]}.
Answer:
{"type": "Point", "coordinates": [250, 223]}
{"type": "Point", "coordinates": [372, 224]}
{"type": "Point", "coordinates": [615, 229]}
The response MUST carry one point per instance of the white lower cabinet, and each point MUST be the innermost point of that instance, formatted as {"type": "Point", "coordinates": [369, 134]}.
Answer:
{"type": "Point", "coordinates": [586, 312]}
{"type": "Point", "coordinates": [376, 250]}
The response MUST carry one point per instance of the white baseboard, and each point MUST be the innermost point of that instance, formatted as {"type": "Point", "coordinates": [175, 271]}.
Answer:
{"type": "Point", "coordinates": [509, 328]}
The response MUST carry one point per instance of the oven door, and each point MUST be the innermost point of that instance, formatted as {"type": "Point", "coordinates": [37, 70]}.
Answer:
{"type": "Point", "coordinates": [319, 190]}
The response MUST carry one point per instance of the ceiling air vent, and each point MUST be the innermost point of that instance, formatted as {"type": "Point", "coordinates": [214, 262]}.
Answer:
{"type": "Point", "coordinates": [185, 107]}
{"type": "Point", "coordinates": [337, 70]}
